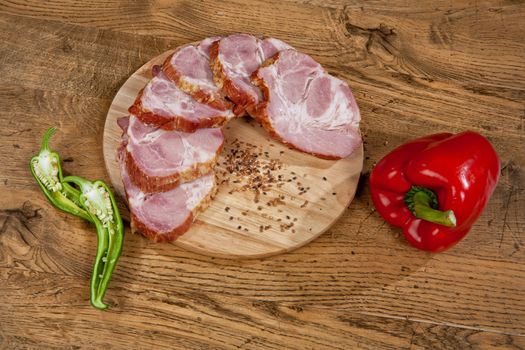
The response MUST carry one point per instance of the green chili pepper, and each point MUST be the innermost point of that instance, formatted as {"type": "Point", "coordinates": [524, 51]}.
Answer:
{"type": "Point", "coordinates": [94, 202]}
{"type": "Point", "coordinates": [96, 198]}
{"type": "Point", "coordinates": [47, 171]}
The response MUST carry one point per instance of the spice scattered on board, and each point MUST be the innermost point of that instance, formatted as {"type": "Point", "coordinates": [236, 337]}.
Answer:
{"type": "Point", "coordinates": [251, 168]}
{"type": "Point", "coordinates": [245, 167]}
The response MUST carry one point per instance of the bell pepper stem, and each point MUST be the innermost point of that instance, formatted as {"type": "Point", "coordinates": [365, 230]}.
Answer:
{"type": "Point", "coordinates": [423, 204]}
{"type": "Point", "coordinates": [423, 211]}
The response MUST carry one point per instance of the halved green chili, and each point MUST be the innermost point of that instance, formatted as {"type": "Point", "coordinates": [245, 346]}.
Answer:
{"type": "Point", "coordinates": [116, 238]}
{"type": "Point", "coordinates": [98, 201]}
{"type": "Point", "coordinates": [94, 202]}
{"type": "Point", "coordinates": [46, 169]}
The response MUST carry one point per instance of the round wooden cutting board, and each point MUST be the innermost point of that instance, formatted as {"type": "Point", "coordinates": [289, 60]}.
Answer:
{"type": "Point", "coordinates": [303, 197]}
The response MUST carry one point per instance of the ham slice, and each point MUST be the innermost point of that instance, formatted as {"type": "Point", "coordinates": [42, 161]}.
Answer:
{"type": "Point", "coordinates": [234, 58]}
{"type": "Point", "coordinates": [172, 139]}
{"type": "Point", "coordinates": [307, 108]}
{"type": "Point", "coordinates": [163, 104]}
{"type": "Point", "coordinates": [164, 216]}
{"type": "Point", "coordinates": [158, 160]}
{"type": "Point", "coordinates": [189, 68]}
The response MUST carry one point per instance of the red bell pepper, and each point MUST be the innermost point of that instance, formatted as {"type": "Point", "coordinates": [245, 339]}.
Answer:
{"type": "Point", "coordinates": [435, 187]}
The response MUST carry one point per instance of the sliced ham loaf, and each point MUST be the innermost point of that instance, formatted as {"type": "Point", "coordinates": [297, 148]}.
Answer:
{"type": "Point", "coordinates": [189, 68]}
{"type": "Point", "coordinates": [158, 160]}
{"type": "Point", "coordinates": [307, 108]}
{"type": "Point", "coordinates": [234, 58]}
{"type": "Point", "coordinates": [164, 216]}
{"type": "Point", "coordinates": [163, 104]}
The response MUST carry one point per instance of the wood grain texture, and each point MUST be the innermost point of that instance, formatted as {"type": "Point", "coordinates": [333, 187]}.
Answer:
{"type": "Point", "coordinates": [415, 68]}
{"type": "Point", "coordinates": [307, 196]}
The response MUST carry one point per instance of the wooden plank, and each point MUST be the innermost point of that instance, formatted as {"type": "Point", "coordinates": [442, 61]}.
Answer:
{"type": "Point", "coordinates": [87, 160]}
{"type": "Point", "coordinates": [359, 266]}
{"type": "Point", "coordinates": [45, 303]}
{"type": "Point", "coordinates": [417, 105]}
{"type": "Point", "coordinates": [460, 41]}
{"type": "Point", "coordinates": [415, 68]}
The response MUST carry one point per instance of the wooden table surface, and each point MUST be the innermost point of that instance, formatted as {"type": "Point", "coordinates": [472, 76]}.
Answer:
{"type": "Point", "coordinates": [416, 67]}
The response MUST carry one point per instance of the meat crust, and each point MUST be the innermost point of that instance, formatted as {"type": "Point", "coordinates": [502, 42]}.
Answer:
{"type": "Point", "coordinates": [163, 104]}
{"type": "Point", "coordinates": [189, 68]}
{"type": "Point", "coordinates": [306, 108]}
{"type": "Point", "coordinates": [159, 160]}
